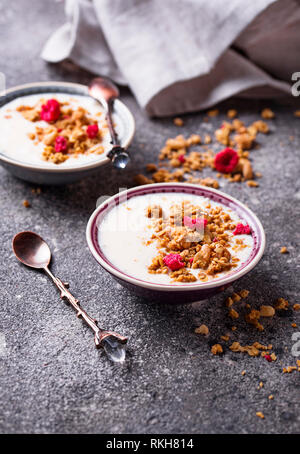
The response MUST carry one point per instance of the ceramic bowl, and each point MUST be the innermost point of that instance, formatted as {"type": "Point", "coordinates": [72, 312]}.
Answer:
{"type": "Point", "coordinates": [41, 174]}
{"type": "Point", "coordinates": [169, 293]}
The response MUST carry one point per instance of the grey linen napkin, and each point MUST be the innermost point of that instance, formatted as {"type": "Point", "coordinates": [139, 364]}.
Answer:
{"type": "Point", "coordinates": [183, 55]}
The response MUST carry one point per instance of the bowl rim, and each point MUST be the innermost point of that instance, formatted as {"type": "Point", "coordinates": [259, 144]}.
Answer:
{"type": "Point", "coordinates": [169, 287]}
{"type": "Point", "coordinates": [73, 168]}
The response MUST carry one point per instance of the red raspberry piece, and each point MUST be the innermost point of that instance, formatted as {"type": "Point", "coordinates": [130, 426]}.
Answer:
{"type": "Point", "coordinates": [92, 131]}
{"type": "Point", "coordinates": [198, 223]}
{"type": "Point", "coordinates": [268, 358]}
{"type": "Point", "coordinates": [50, 111]}
{"type": "Point", "coordinates": [191, 259]}
{"type": "Point", "coordinates": [181, 158]}
{"type": "Point", "coordinates": [242, 229]}
{"type": "Point", "coordinates": [173, 261]}
{"type": "Point", "coordinates": [61, 144]}
{"type": "Point", "coordinates": [226, 160]}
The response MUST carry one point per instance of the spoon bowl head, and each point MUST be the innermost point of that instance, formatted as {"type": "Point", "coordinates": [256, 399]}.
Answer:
{"type": "Point", "coordinates": [31, 250]}
{"type": "Point", "coordinates": [103, 88]}
{"type": "Point", "coordinates": [119, 157]}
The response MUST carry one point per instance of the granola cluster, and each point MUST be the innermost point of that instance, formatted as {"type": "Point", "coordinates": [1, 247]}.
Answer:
{"type": "Point", "coordinates": [70, 131]}
{"type": "Point", "coordinates": [189, 239]}
{"type": "Point", "coordinates": [182, 160]}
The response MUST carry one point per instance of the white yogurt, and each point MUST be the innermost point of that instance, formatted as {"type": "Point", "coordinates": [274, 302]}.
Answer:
{"type": "Point", "coordinates": [14, 140]}
{"type": "Point", "coordinates": [124, 231]}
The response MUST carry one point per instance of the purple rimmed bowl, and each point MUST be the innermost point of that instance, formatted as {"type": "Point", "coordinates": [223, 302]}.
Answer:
{"type": "Point", "coordinates": [179, 293]}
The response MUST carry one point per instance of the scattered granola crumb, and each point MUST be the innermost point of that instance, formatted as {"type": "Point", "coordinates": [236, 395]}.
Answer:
{"type": "Point", "coordinates": [283, 250]}
{"type": "Point", "coordinates": [31, 135]}
{"type": "Point", "coordinates": [231, 113]}
{"type": "Point", "coordinates": [260, 415]}
{"type": "Point", "coordinates": [252, 183]}
{"type": "Point", "coordinates": [154, 211]}
{"type": "Point", "coordinates": [271, 397]}
{"type": "Point", "coordinates": [260, 385]}
{"type": "Point", "coordinates": [251, 350]}
{"type": "Point", "coordinates": [26, 203]}
{"type": "Point", "coordinates": [267, 311]}
{"type": "Point", "coordinates": [244, 293]}
{"type": "Point", "coordinates": [236, 297]}
{"type": "Point", "coordinates": [229, 301]}
{"type": "Point", "coordinates": [289, 369]}
{"type": "Point", "coordinates": [233, 314]}
{"type": "Point", "coordinates": [151, 167]}
{"type": "Point", "coordinates": [243, 372]}
{"type": "Point", "coordinates": [282, 304]}
{"type": "Point", "coordinates": [36, 191]}
{"type": "Point", "coordinates": [294, 325]}
{"type": "Point", "coordinates": [267, 114]}
{"type": "Point", "coordinates": [178, 121]}
{"type": "Point", "coordinates": [233, 328]}
{"type": "Point", "coordinates": [207, 139]}
{"type": "Point", "coordinates": [141, 179]}
{"type": "Point", "coordinates": [216, 349]}
{"type": "Point", "coordinates": [213, 113]}
{"type": "Point", "coordinates": [252, 318]}
{"type": "Point", "coordinates": [225, 338]}
{"type": "Point", "coordinates": [273, 356]}
{"type": "Point", "coordinates": [296, 307]}
{"type": "Point", "coordinates": [297, 113]}
{"type": "Point", "coordinates": [203, 329]}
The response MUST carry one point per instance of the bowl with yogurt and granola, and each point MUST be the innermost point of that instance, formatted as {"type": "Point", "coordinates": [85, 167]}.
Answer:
{"type": "Point", "coordinates": [55, 133]}
{"type": "Point", "coordinates": [175, 242]}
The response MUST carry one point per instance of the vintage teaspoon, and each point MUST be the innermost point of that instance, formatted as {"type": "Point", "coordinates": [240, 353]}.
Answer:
{"type": "Point", "coordinates": [34, 252]}
{"type": "Point", "coordinates": [105, 92]}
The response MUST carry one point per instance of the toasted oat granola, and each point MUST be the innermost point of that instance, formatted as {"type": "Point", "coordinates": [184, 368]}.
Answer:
{"type": "Point", "coordinates": [178, 153]}
{"type": "Point", "coordinates": [67, 135]}
{"type": "Point", "coordinates": [192, 239]}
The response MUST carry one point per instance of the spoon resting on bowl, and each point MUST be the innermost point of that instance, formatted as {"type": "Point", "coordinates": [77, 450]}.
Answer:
{"type": "Point", "coordinates": [105, 92]}
{"type": "Point", "coordinates": [33, 251]}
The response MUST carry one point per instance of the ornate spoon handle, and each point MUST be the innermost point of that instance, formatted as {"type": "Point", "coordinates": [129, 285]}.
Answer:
{"type": "Point", "coordinates": [101, 335]}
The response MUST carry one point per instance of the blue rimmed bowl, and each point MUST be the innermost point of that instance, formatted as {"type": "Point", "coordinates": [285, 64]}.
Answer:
{"type": "Point", "coordinates": [179, 293]}
{"type": "Point", "coordinates": [41, 174]}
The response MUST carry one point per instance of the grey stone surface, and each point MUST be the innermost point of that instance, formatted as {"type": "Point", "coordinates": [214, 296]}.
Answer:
{"type": "Point", "coordinates": [52, 379]}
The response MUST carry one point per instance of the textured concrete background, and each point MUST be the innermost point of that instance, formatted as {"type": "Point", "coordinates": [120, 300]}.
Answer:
{"type": "Point", "coordinates": [52, 379]}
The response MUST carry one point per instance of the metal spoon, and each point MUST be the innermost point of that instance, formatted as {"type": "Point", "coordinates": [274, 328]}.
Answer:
{"type": "Point", "coordinates": [105, 92]}
{"type": "Point", "coordinates": [34, 252]}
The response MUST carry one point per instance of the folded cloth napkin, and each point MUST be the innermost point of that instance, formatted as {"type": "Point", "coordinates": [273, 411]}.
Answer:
{"type": "Point", "coordinates": [183, 55]}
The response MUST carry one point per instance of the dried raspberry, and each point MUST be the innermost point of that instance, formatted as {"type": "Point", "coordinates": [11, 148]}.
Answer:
{"type": "Point", "coordinates": [181, 158]}
{"type": "Point", "coordinates": [50, 111]}
{"type": "Point", "coordinates": [215, 240]}
{"type": "Point", "coordinates": [92, 131]}
{"type": "Point", "coordinates": [226, 160]}
{"type": "Point", "coordinates": [173, 261]}
{"type": "Point", "coordinates": [61, 144]}
{"type": "Point", "coordinates": [268, 358]}
{"type": "Point", "coordinates": [242, 229]}
{"type": "Point", "coordinates": [192, 223]}
{"type": "Point", "coordinates": [191, 259]}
